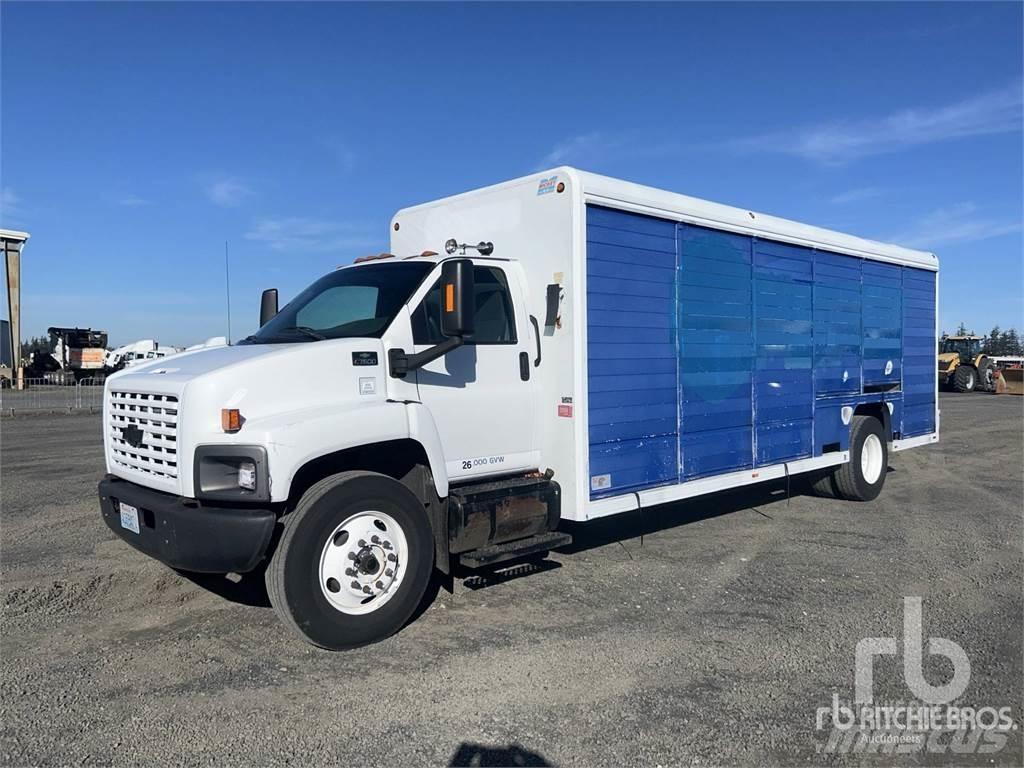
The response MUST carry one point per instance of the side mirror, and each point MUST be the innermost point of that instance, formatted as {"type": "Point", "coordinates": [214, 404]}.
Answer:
{"type": "Point", "coordinates": [458, 304]}
{"type": "Point", "coordinates": [268, 305]}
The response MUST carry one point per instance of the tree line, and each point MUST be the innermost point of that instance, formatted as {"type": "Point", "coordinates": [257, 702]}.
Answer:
{"type": "Point", "coordinates": [997, 342]}
{"type": "Point", "coordinates": [35, 344]}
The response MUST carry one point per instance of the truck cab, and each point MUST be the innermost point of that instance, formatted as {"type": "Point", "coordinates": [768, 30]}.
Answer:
{"type": "Point", "coordinates": [408, 381]}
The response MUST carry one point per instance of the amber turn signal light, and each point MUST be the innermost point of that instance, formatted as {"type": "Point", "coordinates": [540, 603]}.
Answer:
{"type": "Point", "coordinates": [231, 419]}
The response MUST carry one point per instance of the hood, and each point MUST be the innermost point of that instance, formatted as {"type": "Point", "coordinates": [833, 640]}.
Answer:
{"type": "Point", "coordinates": [233, 373]}
{"type": "Point", "coordinates": [188, 365]}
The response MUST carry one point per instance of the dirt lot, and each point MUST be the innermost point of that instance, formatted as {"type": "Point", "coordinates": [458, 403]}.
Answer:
{"type": "Point", "coordinates": [712, 641]}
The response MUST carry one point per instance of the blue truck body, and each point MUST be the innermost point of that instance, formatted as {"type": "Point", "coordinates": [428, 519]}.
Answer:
{"type": "Point", "coordinates": [711, 352]}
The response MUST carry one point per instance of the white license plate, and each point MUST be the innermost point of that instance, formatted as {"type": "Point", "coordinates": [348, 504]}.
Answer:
{"type": "Point", "coordinates": [129, 517]}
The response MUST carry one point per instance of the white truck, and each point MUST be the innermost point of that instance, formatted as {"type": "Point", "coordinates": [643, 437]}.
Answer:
{"type": "Point", "coordinates": [136, 353]}
{"type": "Point", "coordinates": [564, 346]}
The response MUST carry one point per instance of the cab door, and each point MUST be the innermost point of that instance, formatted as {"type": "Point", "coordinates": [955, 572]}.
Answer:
{"type": "Point", "coordinates": [482, 394]}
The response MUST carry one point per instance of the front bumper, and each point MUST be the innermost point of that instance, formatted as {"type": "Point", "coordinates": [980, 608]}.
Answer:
{"type": "Point", "coordinates": [185, 534]}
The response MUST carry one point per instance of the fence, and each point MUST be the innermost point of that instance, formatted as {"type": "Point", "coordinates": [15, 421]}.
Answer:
{"type": "Point", "coordinates": [51, 395]}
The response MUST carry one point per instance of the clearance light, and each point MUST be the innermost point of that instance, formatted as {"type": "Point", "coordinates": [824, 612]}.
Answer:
{"type": "Point", "coordinates": [449, 297]}
{"type": "Point", "coordinates": [231, 419]}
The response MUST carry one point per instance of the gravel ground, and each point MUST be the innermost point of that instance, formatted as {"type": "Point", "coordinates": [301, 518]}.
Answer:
{"type": "Point", "coordinates": [713, 640]}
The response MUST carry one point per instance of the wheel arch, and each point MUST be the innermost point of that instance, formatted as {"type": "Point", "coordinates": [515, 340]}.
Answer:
{"type": "Point", "coordinates": [880, 411]}
{"type": "Point", "coordinates": [399, 459]}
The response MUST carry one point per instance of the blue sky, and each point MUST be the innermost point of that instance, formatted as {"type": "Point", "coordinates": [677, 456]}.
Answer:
{"type": "Point", "coordinates": [137, 138]}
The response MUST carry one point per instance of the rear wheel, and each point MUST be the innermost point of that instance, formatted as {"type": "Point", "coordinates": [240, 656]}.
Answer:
{"type": "Point", "coordinates": [353, 561]}
{"type": "Point", "coordinates": [823, 484]}
{"type": "Point", "coordinates": [965, 379]}
{"type": "Point", "coordinates": [862, 477]}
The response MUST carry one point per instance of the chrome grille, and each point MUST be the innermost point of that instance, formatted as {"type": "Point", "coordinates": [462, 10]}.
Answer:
{"type": "Point", "coordinates": [151, 421]}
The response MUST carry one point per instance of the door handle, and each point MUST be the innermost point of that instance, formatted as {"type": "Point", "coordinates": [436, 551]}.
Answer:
{"type": "Point", "coordinates": [524, 366]}
{"type": "Point", "coordinates": [536, 333]}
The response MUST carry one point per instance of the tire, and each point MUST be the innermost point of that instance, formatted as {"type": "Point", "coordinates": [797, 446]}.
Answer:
{"type": "Point", "coordinates": [965, 379]}
{"type": "Point", "coordinates": [824, 485]}
{"type": "Point", "coordinates": [986, 377]}
{"type": "Point", "coordinates": [315, 546]}
{"type": "Point", "coordinates": [862, 477]}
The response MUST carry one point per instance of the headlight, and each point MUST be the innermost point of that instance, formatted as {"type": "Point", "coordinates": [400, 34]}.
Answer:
{"type": "Point", "coordinates": [231, 473]}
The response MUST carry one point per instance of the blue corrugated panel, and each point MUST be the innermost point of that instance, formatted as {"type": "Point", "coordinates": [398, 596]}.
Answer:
{"type": "Point", "coordinates": [631, 351]}
{"type": "Point", "coordinates": [919, 347]}
{"type": "Point", "coordinates": [883, 322]}
{"type": "Point", "coordinates": [740, 352]}
{"type": "Point", "coordinates": [837, 319]}
{"type": "Point", "coordinates": [828, 423]}
{"type": "Point", "coordinates": [784, 346]}
{"type": "Point", "coordinates": [716, 352]}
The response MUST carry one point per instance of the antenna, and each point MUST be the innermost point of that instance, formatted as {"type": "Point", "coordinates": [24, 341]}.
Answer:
{"type": "Point", "coordinates": [227, 287]}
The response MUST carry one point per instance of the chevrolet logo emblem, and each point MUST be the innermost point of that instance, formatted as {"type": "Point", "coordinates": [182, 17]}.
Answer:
{"type": "Point", "coordinates": [133, 436]}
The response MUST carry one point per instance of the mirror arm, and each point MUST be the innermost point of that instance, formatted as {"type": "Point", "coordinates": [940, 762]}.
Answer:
{"type": "Point", "coordinates": [401, 363]}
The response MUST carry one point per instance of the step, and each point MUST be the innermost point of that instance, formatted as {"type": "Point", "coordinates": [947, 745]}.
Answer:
{"type": "Point", "coordinates": [499, 553]}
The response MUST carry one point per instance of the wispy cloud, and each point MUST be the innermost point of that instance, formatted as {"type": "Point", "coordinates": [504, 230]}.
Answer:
{"type": "Point", "coordinates": [10, 206]}
{"type": "Point", "coordinates": [993, 112]}
{"type": "Point", "coordinates": [960, 223]}
{"type": "Point", "coordinates": [227, 191]}
{"type": "Point", "coordinates": [133, 201]}
{"type": "Point", "coordinates": [856, 195]}
{"type": "Point", "coordinates": [581, 150]}
{"type": "Point", "coordinates": [300, 234]}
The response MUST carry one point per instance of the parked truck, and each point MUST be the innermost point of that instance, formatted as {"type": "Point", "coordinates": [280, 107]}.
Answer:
{"type": "Point", "coordinates": [78, 351]}
{"type": "Point", "coordinates": [561, 347]}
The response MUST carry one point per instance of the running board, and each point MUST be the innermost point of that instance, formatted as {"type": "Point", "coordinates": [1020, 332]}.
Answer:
{"type": "Point", "coordinates": [499, 553]}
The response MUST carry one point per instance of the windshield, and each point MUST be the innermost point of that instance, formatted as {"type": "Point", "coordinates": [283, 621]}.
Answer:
{"type": "Point", "coordinates": [360, 301]}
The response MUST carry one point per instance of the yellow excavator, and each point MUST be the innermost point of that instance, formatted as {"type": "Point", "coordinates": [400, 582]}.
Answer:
{"type": "Point", "coordinates": [964, 367]}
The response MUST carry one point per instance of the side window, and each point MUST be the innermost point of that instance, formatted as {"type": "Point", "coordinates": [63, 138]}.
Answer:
{"type": "Point", "coordinates": [495, 319]}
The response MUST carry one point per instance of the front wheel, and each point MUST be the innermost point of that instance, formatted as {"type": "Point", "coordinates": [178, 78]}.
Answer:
{"type": "Point", "coordinates": [353, 562]}
{"type": "Point", "coordinates": [965, 379]}
{"type": "Point", "coordinates": [862, 477]}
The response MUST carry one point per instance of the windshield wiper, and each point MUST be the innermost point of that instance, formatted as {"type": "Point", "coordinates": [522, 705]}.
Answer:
{"type": "Point", "coordinates": [305, 329]}
{"type": "Point", "coordinates": [282, 335]}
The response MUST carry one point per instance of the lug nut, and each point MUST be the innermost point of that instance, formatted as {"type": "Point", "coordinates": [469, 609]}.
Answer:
{"type": "Point", "coordinates": [355, 585]}
{"type": "Point", "coordinates": [380, 585]}
{"type": "Point", "coordinates": [366, 590]}
{"type": "Point", "coordinates": [351, 555]}
{"type": "Point", "coordinates": [392, 558]}
{"type": "Point", "coordinates": [375, 539]}
{"type": "Point", "coordinates": [350, 572]}
{"type": "Point", "coordinates": [389, 572]}
{"type": "Point", "coordinates": [386, 545]}
{"type": "Point", "coordinates": [362, 542]}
